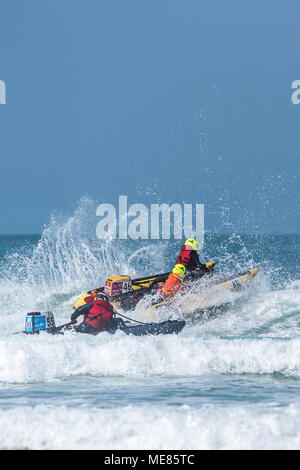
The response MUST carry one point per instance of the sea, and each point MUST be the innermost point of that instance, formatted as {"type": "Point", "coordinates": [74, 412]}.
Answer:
{"type": "Point", "coordinates": [230, 380]}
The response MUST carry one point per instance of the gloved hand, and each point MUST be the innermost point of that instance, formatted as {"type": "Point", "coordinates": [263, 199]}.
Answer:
{"type": "Point", "coordinates": [73, 318]}
{"type": "Point", "coordinates": [207, 270]}
{"type": "Point", "coordinates": [203, 269]}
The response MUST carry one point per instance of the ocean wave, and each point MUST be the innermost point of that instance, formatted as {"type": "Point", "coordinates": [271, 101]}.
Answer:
{"type": "Point", "coordinates": [46, 427]}
{"type": "Point", "coordinates": [44, 358]}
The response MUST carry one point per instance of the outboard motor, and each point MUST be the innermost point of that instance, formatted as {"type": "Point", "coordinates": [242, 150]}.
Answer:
{"type": "Point", "coordinates": [39, 321]}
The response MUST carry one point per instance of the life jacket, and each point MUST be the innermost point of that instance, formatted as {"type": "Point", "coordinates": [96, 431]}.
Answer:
{"type": "Point", "coordinates": [188, 257]}
{"type": "Point", "coordinates": [171, 286]}
{"type": "Point", "coordinates": [99, 315]}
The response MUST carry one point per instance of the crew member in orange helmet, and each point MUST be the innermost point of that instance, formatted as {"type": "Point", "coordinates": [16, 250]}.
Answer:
{"type": "Point", "coordinates": [174, 281]}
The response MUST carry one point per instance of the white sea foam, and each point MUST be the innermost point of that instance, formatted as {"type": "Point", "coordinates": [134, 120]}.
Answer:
{"type": "Point", "coordinates": [43, 357]}
{"type": "Point", "coordinates": [151, 427]}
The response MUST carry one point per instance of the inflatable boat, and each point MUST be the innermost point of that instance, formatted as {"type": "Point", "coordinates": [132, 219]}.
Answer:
{"type": "Point", "coordinates": [126, 293]}
{"type": "Point", "coordinates": [39, 322]}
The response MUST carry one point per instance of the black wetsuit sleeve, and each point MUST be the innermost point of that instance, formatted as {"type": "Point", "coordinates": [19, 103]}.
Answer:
{"type": "Point", "coordinates": [196, 261]}
{"type": "Point", "coordinates": [83, 310]}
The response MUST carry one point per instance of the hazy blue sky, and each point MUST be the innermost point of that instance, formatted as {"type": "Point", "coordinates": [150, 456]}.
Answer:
{"type": "Point", "coordinates": [165, 100]}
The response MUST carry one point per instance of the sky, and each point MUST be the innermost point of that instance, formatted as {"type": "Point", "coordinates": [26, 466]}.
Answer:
{"type": "Point", "coordinates": [163, 101]}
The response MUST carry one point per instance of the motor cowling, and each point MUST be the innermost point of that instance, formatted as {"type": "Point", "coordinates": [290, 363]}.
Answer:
{"type": "Point", "coordinates": [39, 321]}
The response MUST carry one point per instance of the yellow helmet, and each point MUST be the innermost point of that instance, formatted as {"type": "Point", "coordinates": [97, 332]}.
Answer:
{"type": "Point", "coordinates": [179, 269]}
{"type": "Point", "coordinates": [192, 243]}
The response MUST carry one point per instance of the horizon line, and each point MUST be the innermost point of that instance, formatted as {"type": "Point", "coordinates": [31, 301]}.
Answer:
{"type": "Point", "coordinates": [160, 239]}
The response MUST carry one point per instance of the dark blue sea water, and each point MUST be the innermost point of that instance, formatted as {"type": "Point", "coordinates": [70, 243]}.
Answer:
{"type": "Point", "coordinates": [229, 382]}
